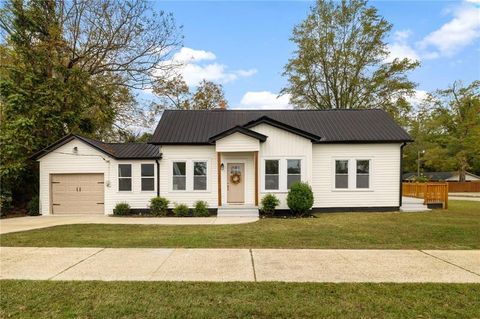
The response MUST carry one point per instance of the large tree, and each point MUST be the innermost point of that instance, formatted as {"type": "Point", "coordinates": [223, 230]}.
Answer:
{"type": "Point", "coordinates": [174, 93]}
{"type": "Point", "coordinates": [341, 61]}
{"type": "Point", "coordinates": [72, 66]}
{"type": "Point", "coordinates": [447, 131]}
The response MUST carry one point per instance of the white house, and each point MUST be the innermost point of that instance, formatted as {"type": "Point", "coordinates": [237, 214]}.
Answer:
{"type": "Point", "coordinates": [231, 159]}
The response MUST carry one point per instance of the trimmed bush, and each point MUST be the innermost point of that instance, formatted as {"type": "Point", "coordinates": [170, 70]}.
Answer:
{"type": "Point", "coordinates": [33, 206]}
{"type": "Point", "coordinates": [159, 206]}
{"type": "Point", "coordinates": [181, 210]}
{"type": "Point", "coordinates": [122, 209]}
{"type": "Point", "coordinates": [269, 203]}
{"type": "Point", "coordinates": [300, 198]}
{"type": "Point", "coordinates": [201, 209]}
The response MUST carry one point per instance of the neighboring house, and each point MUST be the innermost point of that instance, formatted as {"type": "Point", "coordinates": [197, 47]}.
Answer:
{"type": "Point", "coordinates": [231, 159]}
{"type": "Point", "coordinates": [442, 176]}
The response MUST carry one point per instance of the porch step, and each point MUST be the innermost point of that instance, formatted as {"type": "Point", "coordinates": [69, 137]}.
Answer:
{"type": "Point", "coordinates": [410, 204]}
{"type": "Point", "coordinates": [237, 212]}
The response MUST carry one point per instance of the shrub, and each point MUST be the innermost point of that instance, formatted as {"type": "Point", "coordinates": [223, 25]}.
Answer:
{"type": "Point", "coordinates": [269, 203]}
{"type": "Point", "coordinates": [201, 209]}
{"type": "Point", "coordinates": [181, 210]}
{"type": "Point", "coordinates": [159, 206]}
{"type": "Point", "coordinates": [122, 209]}
{"type": "Point", "coordinates": [300, 198]}
{"type": "Point", "coordinates": [33, 206]}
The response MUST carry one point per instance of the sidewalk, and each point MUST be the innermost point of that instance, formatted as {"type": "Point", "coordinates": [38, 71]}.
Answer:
{"type": "Point", "coordinates": [10, 225]}
{"type": "Point", "coordinates": [473, 196]}
{"type": "Point", "coordinates": [290, 265]}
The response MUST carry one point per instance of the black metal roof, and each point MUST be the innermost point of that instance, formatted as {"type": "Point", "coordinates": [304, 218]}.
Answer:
{"type": "Point", "coordinates": [329, 126]}
{"type": "Point", "coordinates": [239, 129]}
{"type": "Point", "coordinates": [115, 150]}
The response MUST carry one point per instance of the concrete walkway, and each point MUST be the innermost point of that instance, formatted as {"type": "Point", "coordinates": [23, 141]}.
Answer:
{"type": "Point", "coordinates": [290, 265]}
{"type": "Point", "coordinates": [10, 225]}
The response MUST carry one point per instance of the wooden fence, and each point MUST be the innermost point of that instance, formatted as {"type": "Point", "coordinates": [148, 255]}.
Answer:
{"type": "Point", "coordinates": [461, 187]}
{"type": "Point", "coordinates": [432, 193]}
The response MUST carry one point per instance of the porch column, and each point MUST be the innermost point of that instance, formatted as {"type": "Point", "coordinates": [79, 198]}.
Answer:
{"type": "Point", "coordinates": [255, 159]}
{"type": "Point", "coordinates": [219, 178]}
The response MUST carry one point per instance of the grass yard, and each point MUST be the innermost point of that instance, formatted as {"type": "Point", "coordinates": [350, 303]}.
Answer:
{"type": "Point", "coordinates": [47, 299]}
{"type": "Point", "coordinates": [456, 228]}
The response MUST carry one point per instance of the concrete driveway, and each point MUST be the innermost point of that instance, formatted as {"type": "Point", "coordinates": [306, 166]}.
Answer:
{"type": "Point", "coordinates": [10, 225]}
{"type": "Point", "coordinates": [289, 265]}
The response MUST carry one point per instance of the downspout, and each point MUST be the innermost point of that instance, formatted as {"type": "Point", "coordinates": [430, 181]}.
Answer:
{"type": "Point", "coordinates": [158, 177]}
{"type": "Point", "coordinates": [401, 175]}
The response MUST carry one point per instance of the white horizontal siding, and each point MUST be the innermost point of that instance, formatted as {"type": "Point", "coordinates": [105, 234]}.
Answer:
{"type": "Point", "coordinates": [188, 153]}
{"type": "Point", "coordinates": [89, 160]}
{"type": "Point", "coordinates": [237, 142]}
{"type": "Point", "coordinates": [384, 179]}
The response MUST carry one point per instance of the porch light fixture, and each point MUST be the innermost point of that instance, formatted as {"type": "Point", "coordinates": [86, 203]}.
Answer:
{"type": "Point", "coordinates": [222, 167]}
{"type": "Point", "coordinates": [75, 150]}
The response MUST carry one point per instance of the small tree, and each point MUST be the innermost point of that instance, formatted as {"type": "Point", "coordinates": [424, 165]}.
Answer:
{"type": "Point", "coordinates": [269, 203]}
{"type": "Point", "coordinates": [300, 198]}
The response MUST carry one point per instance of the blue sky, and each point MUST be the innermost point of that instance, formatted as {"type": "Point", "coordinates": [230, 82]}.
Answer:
{"type": "Point", "coordinates": [244, 45]}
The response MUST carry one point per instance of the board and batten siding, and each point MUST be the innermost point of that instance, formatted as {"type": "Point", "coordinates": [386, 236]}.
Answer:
{"type": "Point", "coordinates": [283, 145]}
{"type": "Point", "coordinates": [89, 160]}
{"type": "Point", "coordinates": [188, 154]}
{"type": "Point", "coordinates": [237, 142]}
{"type": "Point", "coordinates": [384, 175]}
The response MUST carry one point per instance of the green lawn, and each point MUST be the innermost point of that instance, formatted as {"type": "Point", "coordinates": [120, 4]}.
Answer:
{"type": "Point", "coordinates": [456, 228]}
{"type": "Point", "coordinates": [47, 299]}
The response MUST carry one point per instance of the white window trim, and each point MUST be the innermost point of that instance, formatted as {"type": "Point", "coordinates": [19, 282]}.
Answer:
{"type": "Point", "coordinates": [154, 178]}
{"type": "Point", "coordinates": [369, 174]}
{"type": "Point", "coordinates": [171, 176]}
{"type": "Point", "coordinates": [131, 178]}
{"type": "Point", "coordinates": [282, 172]}
{"type": "Point", "coordinates": [207, 179]}
{"type": "Point", "coordinates": [264, 175]}
{"type": "Point", "coordinates": [352, 174]}
{"type": "Point", "coordinates": [301, 168]}
{"type": "Point", "coordinates": [189, 174]}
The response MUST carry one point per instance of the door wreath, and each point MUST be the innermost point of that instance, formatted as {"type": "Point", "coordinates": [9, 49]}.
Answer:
{"type": "Point", "coordinates": [235, 178]}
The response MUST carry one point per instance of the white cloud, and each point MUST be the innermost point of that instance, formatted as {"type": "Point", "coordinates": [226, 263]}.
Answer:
{"type": "Point", "coordinates": [188, 55]}
{"type": "Point", "coordinates": [418, 97]}
{"type": "Point", "coordinates": [462, 30]}
{"type": "Point", "coordinates": [196, 65]}
{"type": "Point", "coordinates": [399, 49]}
{"type": "Point", "coordinates": [264, 100]}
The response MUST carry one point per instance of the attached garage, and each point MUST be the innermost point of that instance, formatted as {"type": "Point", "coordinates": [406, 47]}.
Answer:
{"type": "Point", "coordinates": [77, 193]}
{"type": "Point", "coordinates": [79, 175]}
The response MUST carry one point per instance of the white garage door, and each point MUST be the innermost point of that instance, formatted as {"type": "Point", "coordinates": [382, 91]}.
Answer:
{"type": "Point", "coordinates": [77, 194]}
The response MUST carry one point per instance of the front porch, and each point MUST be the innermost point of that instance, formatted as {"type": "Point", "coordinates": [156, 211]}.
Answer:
{"type": "Point", "coordinates": [238, 184]}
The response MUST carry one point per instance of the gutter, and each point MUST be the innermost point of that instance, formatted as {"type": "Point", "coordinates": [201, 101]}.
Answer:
{"type": "Point", "coordinates": [401, 174]}
{"type": "Point", "coordinates": [158, 177]}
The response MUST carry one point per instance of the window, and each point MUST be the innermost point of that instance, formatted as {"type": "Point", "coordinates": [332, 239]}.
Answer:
{"type": "Point", "coordinates": [293, 172]}
{"type": "Point", "coordinates": [199, 176]}
{"type": "Point", "coordinates": [179, 176]}
{"type": "Point", "coordinates": [124, 177]}
{"type": "Point", "coordinates": [363, 173]}
{"type": "Point", "coordinates": [341, 174]}
{"type": "Point", "coordinates": [271, 175]}
{"type": "Point", "coordinates": [148, 179]}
